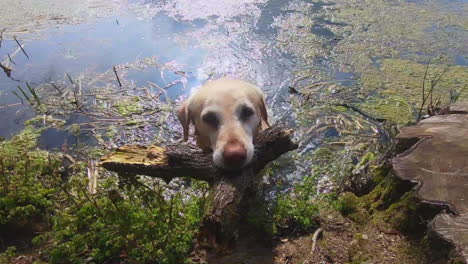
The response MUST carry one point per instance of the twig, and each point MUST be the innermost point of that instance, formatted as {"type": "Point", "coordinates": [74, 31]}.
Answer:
{"type": "Point", "coordinates": [79, 87]}
{"type": "Point", "coordinates": [155, 85]}
{"type": "Point", "coordinates": [424, 79]}
{"type": "Point", "coordinates": [433, 85]}
{"type": "Point", "coordinates": [70, 78]}
{"type": "Point", "coordinates": [359, 111]}
{"type": "Point", "coordinates": [314, 239]}
{"type": "Point", "coordinates": [441, 75]}
{"type": "Point", "coordinates": [1, 38]}
{"type": "Point", "coordinates": [455, 98]}
{"type": "Point", "coordinates": [11, 60]}
{"type": "Point", "coordinates": [91, 200]}
{"type": "Point", "coordinates": [11, 105]}
{"type": "Point", "coordinates": [117, 76]}
{"type": "Point", "coordinates": [70, 196]}
{"type": "Point", "coordinates": [56, 88]}
{"type": "Point", "coordinates": [12, 55]}
{"type": "Point", "coordinates": [21, 47]}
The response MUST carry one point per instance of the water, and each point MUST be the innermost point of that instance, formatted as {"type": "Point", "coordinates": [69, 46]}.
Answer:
{"type": "Point", "coordinates": [276, 44]}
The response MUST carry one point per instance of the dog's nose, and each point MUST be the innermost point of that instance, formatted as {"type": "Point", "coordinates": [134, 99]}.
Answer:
{"type": "Point", "coordinates": [234, 155]}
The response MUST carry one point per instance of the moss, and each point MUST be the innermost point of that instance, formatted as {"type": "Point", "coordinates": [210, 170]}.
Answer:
{"type": "Point", "coordinates": [387, 192]}
{"type": "Point", "coordinates": [379, 174]}
{"type": "Point", "coordinates": [129, 107]}
{"type": "Point", "coordinates": [349, 205]}
{"type": "Point", "coordinates": [323, 154]}
{"type": "Point", "coordinates": [43, 120]}
{"type": "Point", "coordinates": [365, 160]}
{"type": "Point", "coordinates": [401, 215]}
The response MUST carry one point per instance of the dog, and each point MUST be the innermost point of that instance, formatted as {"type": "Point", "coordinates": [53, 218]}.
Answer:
{"type": "Point", "coordinates": [227, 114]}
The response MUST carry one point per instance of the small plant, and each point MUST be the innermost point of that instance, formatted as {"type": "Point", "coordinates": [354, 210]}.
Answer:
{"type": "Point", "coordinates": [297, 210]}
{"type": "Point", "coordinates": [142, 221]}
{"type": "Point", "coordinates": [8, 255]}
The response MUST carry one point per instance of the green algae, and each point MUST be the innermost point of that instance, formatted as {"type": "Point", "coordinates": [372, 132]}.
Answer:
{"type": "Point", "coordinates": [382, 28]}
{"type": "Point", "coordinates": [400, 86]}
{"type": "Point", "coordinates": [386, 44]}
{"type": "Point", "coordinates": [129, 107]}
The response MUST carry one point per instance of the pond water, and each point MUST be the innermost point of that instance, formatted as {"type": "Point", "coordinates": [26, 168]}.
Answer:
{"type": "Point", "coordinates": [371, 54]}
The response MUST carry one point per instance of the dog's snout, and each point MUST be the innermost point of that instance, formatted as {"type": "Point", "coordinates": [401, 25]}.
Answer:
{"type": "Point", "coordinates": [234, 154]}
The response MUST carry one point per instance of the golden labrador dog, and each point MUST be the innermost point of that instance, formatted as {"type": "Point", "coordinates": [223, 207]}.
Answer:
{"type": "Point", "coordinates": [226, 114]}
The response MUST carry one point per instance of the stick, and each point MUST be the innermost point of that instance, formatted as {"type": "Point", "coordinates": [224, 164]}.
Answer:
{"type": "Point", "coordinates": [12, 55]}
{"type": "Point", "coordinates": [11, 105]}
{"type": "Point", "coordinates": [69, 78]}
{"type": "Point", "coordinates": [1, 38]}
{"type": "Point", "coordinates": [424, 80]}
{"type": "Point", "coordinates": [314, 239]}
{"type": "Point", "coordinates": [21, 47]}
{"type": "Point", "coordinates": [359, 111]}
{"type": "Point", "coordinates": [117, 76]}
{"type": "Point", "coordinates": [56, 88]}
{"type": "Point", "coordinates": [433, 85]}
{"type": "Point", "coordinates": [11, 60]}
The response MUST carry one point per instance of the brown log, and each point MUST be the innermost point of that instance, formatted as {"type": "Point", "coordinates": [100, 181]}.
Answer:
{"type": "Point", "coordinates": [438, 162]}
{"type": "Point", "coordinates": [228, 188]}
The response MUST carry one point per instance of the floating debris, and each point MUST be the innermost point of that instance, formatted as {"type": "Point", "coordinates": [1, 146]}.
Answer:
{"type": "Point", "coordinates": [70, 78]}
{"type": "Point", "coordinates": [11, 60]}
{"type": "Point", "coordinates": [117, 76]}
{"type": "Point", "coordinates": [6, 70]}
{"type": "Point", "coordinates": [21, 47]}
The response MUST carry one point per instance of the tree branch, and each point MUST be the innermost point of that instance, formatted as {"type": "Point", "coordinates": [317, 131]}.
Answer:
{"type": "Point", "coordinates": [184, 160]}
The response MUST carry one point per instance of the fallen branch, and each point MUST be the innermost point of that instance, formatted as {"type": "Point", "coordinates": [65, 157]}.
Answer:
{"type": "Point", "coordinates": [315, 238]}
{"type": "Point", "coordinates": [229, 188]}
{"type": "Point", "coordinates": [184, 160]}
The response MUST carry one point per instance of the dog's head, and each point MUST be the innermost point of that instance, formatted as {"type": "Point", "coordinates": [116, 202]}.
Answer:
{"type": "Point", "coordinates": [227, 114]}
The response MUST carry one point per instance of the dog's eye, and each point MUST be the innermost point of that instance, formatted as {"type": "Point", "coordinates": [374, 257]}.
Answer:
{"type": "Point", "coordinates": [246, 113]}
{"type": "Point", "coordinates": [211, 119]}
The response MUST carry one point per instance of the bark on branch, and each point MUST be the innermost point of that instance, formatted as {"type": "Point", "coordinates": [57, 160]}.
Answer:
{"type": "Point", "coordinates": [184, 160]}
{"type": "Point", "coordinates": [219, 227]}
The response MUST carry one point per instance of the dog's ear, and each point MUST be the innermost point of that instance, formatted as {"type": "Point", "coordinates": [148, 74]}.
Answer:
{"type": "Point", "coordinates": [263, 111]}
{"type": "Point", "coordinates": [184, 118]}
